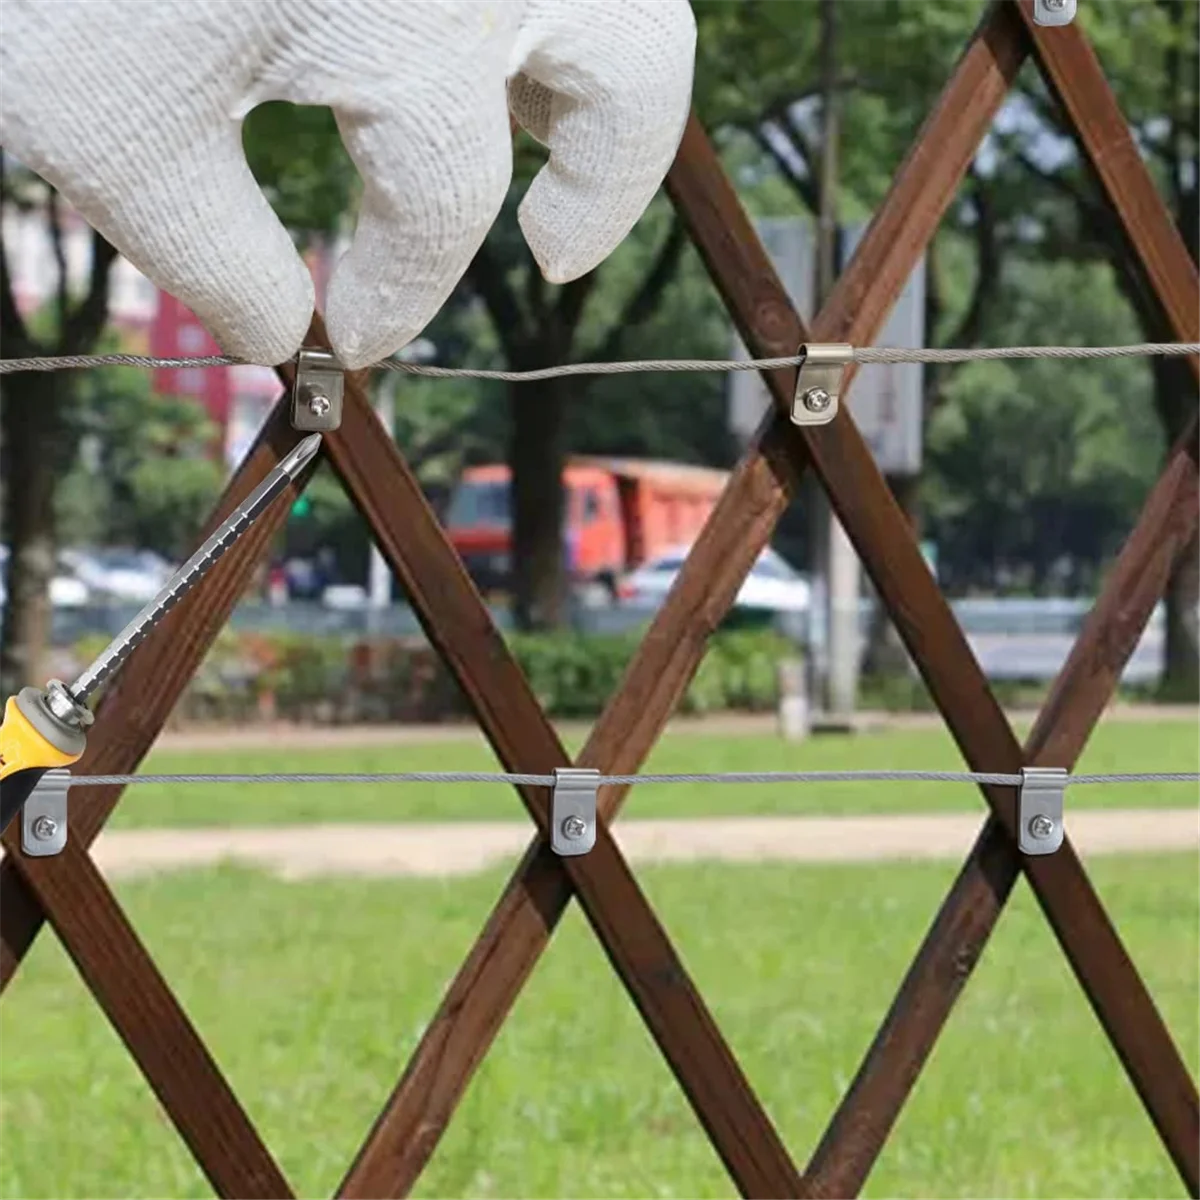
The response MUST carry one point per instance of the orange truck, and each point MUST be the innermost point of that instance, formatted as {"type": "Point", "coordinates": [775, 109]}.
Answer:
{"type": "Point", "coordinates": [619, 513]}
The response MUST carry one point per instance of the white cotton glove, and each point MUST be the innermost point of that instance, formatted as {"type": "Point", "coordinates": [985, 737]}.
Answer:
{"type": "Point", "coordinates": [133, 110]}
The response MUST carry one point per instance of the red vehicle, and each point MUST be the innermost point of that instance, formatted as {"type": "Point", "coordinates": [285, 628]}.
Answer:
{"type": "Point", "coordinates": [619, 512]}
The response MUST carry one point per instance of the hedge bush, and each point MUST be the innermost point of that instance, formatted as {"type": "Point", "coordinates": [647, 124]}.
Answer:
{"type": "Point", "coordinates": [248, 677]}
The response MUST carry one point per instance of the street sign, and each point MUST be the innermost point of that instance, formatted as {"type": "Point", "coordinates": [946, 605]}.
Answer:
{"type": "Point", "coordinates": [885, 399]}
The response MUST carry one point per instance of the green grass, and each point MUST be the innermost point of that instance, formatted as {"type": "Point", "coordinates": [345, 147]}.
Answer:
{"type": "Point", "coordinates": [1120, 747]}
{"type": "Point", "coordinates": [312, 997]}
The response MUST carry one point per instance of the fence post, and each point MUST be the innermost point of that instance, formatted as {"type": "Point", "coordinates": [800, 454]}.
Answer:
{"type": "Point", "coordinates": [795, 717]}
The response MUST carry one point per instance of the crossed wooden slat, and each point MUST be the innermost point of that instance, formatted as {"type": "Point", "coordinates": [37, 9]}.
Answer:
{"type": "Point", "coordinates": [69, 891]}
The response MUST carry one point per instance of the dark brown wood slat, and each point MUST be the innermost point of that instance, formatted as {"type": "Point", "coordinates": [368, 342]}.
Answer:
{"type": "Point", "coordinates": [519, 928]}
{"type": "Point", "coordinates": [859, 1128]}
{"type": "Point", "coordinates": [890, 554]}
{"type": "Point", "coordinates": [128, 987]}
{"type": "Point", "coordinates": [145, 691]}
{"type": "Point", "coordinates": [923, 187]}
{"type": "Point", "coordinates": [458, 625]}
{"type": "Point", "coordinates": [935, 641]}
{"type": "Point", "coordinates": [1137, 580]}
{"type": "Point", "coordinates": [1073, 73]}
{"type": "Point", "coordinates": [841, 1162]}
{"type": "Point", "coordinates": [453, 615]}
{"type": "Point", "coordinates": [765, 479]}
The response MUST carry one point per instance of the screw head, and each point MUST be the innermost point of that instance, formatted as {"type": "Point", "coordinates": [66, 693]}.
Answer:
{"type": "Point", "coordinates": [318, 405]}
{"type": "Point", "coordinates": [574, 828]}
{"type": "Point", "coordinates": [816, 399]}
{"type": "Point", "coordinates": [1053, 12]}
{"type": "Point", "coordinates": [1041, 826]}
{"type": "Point", "coordinates": [44, 828]}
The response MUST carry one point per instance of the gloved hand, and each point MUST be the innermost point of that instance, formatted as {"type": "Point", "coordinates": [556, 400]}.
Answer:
{"type": "Point", "coordinates": [133, 111]}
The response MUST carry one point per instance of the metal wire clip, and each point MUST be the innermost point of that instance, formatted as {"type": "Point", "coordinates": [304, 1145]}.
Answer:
{"type": "Point", "coordinates": [1040, 809]}
{"type": "Point", "coordinates": [819, 383]}
{"type": "Point", "coordinates": [1053, 12]}
{"type": "Point", "coordinates": [317, 392]}
{"type": "Point", "coordinates": [44, 815]}
{"type": "Point", "coordinates": [573, 810]}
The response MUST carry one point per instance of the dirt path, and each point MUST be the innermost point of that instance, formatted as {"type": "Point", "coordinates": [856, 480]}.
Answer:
{"type": "Point", "coordinates": [297, 852]}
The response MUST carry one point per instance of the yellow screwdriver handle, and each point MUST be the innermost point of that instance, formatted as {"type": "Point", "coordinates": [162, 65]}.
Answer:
{"type": "Point", "coordinates": [27, 752]}
{"type": "Point", "coordinates": [44, 730]}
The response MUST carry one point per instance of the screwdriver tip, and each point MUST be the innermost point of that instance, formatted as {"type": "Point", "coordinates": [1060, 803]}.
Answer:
{"type": "Point", "coordinates": [300, 454]}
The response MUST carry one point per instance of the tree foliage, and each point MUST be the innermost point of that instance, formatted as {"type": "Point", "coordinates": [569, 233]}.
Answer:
{"type": "Point", "coordinates": [1151, 52]}
{"type": "Point", "coordinates": [1037, 468]}
{"type": "Point", "coordinates": [1028, 200]}
{"type": "Point", "coordinates": [38, 438]}
{"type": "Point", "coordinates": [298, 158]}
{"type": "Point", "coordinates": [144, 475]}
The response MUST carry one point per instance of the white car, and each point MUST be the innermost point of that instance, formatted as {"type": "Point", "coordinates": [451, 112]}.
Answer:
{"type": "Point", "coordinates": [772, 585]}
{"type": "Point", "coordinates": [66, 591]}
{"type": "Point", "coordinates": [131, 576]}
{"type": "Point", "coordinates": [346, 597]}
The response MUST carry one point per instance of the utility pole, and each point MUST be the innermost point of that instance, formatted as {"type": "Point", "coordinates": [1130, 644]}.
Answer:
{"type": "Point", "coordinates": [379, 574]}
{"type": "Point", "coordinates": [838, 563]}
{"type": "Point", "coordinates": [827, 225]}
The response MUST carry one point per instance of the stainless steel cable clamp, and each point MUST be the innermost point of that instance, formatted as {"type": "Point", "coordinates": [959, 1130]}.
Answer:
{"type": "Point", "coordinates": [573, 810]}
{"type": "Point", "coordinates": [317, 392]}
{"type": "Point", "coordinates": [44, 815]}
{"type": "Point", "coordinates": [1040, 809]}
{"type": "Point", "coordinates": [819, 382]}
{"type": "Point", "coordinates": [1053, 12]}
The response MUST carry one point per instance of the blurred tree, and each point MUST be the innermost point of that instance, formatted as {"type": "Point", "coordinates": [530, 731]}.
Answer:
{"type": "Point", "coordinates": [143, 474]}
{"type": "Point", "coordinates": [770, 117]}
{"type": "Point", "coordinates": [1027, 196]}
{"type": "Point", "coordinates": [298, 158]}
{"type": "Point", "coordinates": [758, 83]}
{"type": "Point", "coordinates": [657, 414]}
{"type": "Point", "coordinates": [38, 439]}
{"type": "Point", "coordinates": [165, 495]}
{"type": "Point", "coordinates": [1151, 52]}
{"type": "Point", "coordinates": [1037, 468]}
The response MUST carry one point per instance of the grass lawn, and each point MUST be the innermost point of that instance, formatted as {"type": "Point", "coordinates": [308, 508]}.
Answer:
{"type": "Point", "coordinates": [313, 995]}
{"type": "Point", "coordinates": [1170, 745]}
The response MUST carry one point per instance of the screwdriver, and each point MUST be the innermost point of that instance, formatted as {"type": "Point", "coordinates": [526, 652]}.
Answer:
{"type": "Point", "coordinates": [42, 730]}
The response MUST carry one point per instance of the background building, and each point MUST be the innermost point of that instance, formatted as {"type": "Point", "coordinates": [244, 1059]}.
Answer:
{"type": "Point", "coordinates": [147, 320]}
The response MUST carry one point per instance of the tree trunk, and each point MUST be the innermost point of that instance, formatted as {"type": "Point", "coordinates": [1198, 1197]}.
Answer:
{"type": "Point", "coordinates": [537, 457]}
{"type": "Point", "coordinates": [1175, 399]}
{"type": "Point", "coordinates": [33, 439]}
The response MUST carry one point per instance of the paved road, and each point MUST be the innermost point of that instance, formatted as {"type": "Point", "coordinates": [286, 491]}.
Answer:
{"type": "Point", "coordinates": [1041, 655]}
{"type": "Point", "coordinates": [298, 852]}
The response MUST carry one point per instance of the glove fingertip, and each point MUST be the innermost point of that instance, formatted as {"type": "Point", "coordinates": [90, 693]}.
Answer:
{"type": "Point", "coordinates": [271, 341]}
{"type": "Point", "coordinates": [359, 334]}
{"type": "Point", "coordinates": [562, 255]}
